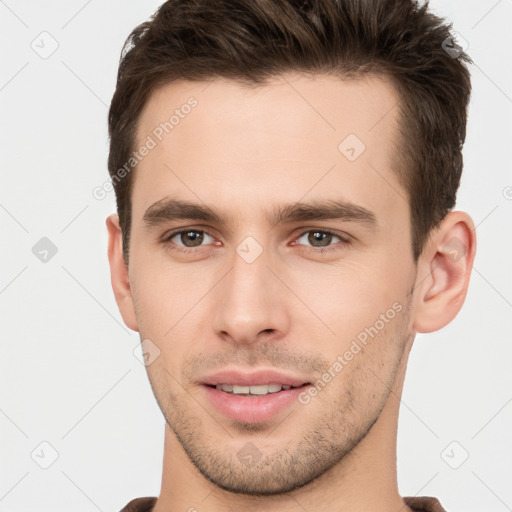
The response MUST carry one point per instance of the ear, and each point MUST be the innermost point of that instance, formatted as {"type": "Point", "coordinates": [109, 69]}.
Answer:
{"type": "Point", "coordinates": [119, 273]}
{"type": "Point", "coordinates": [444, 269]}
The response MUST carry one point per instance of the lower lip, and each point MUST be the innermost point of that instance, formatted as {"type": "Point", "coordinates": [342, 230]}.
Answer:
{"type": "Point", "coordinates": [248, 409]}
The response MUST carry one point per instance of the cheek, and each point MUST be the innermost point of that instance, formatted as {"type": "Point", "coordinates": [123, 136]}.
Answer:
{"type": "Point", "coordinates": [349, 303]}
{"type": "Point", "coordinates": [169, 302]}
{"type": "Point", "coordinates": [164, 290]}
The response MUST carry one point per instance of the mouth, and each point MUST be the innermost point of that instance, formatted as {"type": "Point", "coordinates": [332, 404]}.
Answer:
{"type": "Point", "coordinates": [255, 397]}
{"type": "Point", "coordinates": [255, 390]}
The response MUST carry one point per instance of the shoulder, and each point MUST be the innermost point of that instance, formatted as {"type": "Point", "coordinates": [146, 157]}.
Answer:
{"type": "Point", "coordinates": [424, 504]}
{"type": "Point", "coordinates": [140, 505]}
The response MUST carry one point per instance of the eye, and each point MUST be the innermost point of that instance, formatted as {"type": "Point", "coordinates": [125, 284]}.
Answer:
{"type": "Point", "coordinates": [321, 239]}
{"type": "Point", "coordinates": [187, 239]}
{"type": "Point", "coordinates": [191, 239]}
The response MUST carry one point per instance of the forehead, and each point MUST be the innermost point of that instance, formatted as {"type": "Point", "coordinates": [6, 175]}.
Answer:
{"type": "Point", "coordinates": [294, 135]}
{"type": "Point", "coordinates": [314, 104]}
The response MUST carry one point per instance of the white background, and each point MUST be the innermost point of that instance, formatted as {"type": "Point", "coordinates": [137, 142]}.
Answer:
{"type": "Point", "coordinates": [68, 373]}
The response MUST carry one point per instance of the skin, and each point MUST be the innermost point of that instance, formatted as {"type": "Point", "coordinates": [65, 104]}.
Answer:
{"type": "Point", "coordinates": [244, 151]}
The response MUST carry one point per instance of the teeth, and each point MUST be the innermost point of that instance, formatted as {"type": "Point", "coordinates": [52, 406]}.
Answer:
{"type": "Point", "coordinates": [238, 390]}
{"type": "Point", "coordinates": [263, 390]}
{"type": "Point", "coordinates": [253, 390]}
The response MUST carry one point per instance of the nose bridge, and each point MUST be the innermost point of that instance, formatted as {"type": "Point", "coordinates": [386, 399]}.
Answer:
{"type": "Point", "coordinates": [249, 298]}
{"type": "Point", "coordinates": [249, 274]}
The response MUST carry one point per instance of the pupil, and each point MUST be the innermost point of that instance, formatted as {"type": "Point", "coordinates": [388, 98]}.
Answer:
{"type": "Point", "coordinates": [317, 236]}
{"type": "Point", "coordinates": [191, 237]}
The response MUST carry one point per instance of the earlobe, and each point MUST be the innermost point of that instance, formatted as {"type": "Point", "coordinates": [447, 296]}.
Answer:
{"type": "Point", "coordinates": [119, 273]}
{"type": "Point", "coordinates": [444, 270]}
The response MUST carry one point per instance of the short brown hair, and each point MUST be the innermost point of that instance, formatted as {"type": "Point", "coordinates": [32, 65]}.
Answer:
{"type": "Point", "coordinates": [252, 40]}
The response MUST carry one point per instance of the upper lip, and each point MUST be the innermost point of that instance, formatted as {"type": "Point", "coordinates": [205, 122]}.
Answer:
{"type": "Point", "coordinates": [255, 378]}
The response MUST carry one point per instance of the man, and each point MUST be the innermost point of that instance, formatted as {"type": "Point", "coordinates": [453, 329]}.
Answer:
{"type": "Point", "coordinates": [285, 175]}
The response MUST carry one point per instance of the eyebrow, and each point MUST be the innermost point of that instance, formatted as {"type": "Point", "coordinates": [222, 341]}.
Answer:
{"type": "Point", "coordinates": [168, 209]}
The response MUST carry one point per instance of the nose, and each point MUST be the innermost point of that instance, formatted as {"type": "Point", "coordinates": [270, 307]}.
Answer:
{"type": "Point", "coordinates": [251, 302]}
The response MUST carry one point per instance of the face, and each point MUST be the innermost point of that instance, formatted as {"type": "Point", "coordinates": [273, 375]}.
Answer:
{"type": "Point", "coordinates": [270, 245]}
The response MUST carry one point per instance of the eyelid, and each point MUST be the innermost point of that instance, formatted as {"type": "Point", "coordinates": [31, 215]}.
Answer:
{"type": "Point", "coordinates": [342, 235]}
{"type": "Point", "coordinates": [173, 232]}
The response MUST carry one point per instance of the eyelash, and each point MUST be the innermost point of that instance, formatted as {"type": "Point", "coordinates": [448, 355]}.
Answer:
{"type": "Point", "coordinates": [343, 241]}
